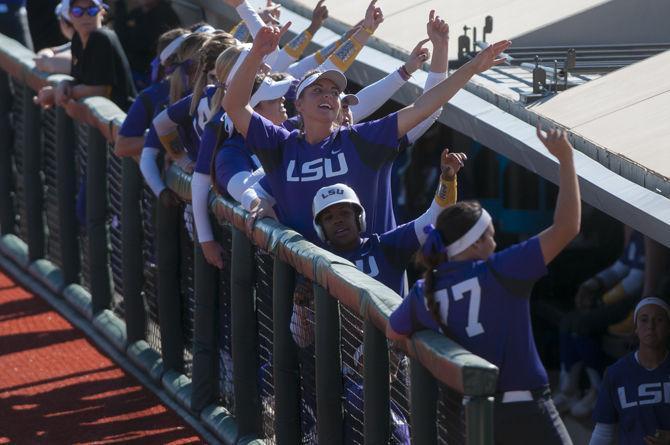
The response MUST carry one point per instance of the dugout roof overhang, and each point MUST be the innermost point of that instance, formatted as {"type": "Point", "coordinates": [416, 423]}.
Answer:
{"type": "Point", "coordinates": [631, 192]}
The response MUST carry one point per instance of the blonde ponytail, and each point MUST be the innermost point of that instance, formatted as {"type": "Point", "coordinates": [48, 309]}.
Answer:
{"type": "Point", "coordinates": [224, 63]}
{"type": "Point", "coordinates": [184, 59]}
{"type": "Point", "coordinates": [206, 60]}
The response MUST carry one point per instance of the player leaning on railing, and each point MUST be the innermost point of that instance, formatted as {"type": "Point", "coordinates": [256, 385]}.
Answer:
{"type": "Point", "coordinates": [481, 300]}
{"type": "Point", "coordinates": [299, 162]}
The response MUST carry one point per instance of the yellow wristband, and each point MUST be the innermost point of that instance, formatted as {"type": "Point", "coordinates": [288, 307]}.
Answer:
{"type": "Point", "coordinates": [368, 30]}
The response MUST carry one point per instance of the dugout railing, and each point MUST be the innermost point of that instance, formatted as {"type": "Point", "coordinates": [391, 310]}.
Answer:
{"type": "Point", "coordinates": [81, 221]}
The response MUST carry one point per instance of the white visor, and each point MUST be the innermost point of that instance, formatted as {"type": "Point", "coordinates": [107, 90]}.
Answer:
{"type": "Point", "coordinates": [471, 236]}
{"type": "Point", "coordinates": [270, 90]}
{"type": "Point", "coordinates": [333, 75]}
{"type": "Point", "coordinates": [63, 10]}
{"type": "Point", "coordinates": [238, 63]}
{"type": "Point", "coordinates": [172, 48]}
{"type": "Point", "coordinates": [650, 300]}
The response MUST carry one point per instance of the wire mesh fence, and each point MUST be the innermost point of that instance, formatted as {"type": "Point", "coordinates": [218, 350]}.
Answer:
{"type": "Point", "coordinates": [186, 234]}
{"type": "Point", "coordinates": [352, 374]}
{"type": "Point", "coordinates": [19, 192]}
{"type": "Point", "coordinates": [50, 170]}
{"type": "Point", "coordinates": [263, 288]}
{"type": "Point", "coordinates": [450, 417]}
{"type": "Point", "coordinates": [115, 191]}
{"type": "Point", "coordinates": [224, 236]}
{"type": "Point", "coordinates": [150, 285]}
{"type": "Point", "coordinates": [81, 158]}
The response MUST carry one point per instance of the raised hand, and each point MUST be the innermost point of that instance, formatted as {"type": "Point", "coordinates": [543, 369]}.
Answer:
{"type": "Point", "coordinates": [437, 30]}
{"type": "Point", "coordinates": [319, 14]}
{"type": "Point", "coordinates": [556, 141]}
{"type": "Point", "coordinates": [267, 39]}
{"type": "Point", "coordinates": [451, 164]}
{"type": "Point", "coordinates": [213, 253]}
{"type": "Point", "coordinates": [417, 57]}
{"type": "Point", "coordinates": [489, 57]}
{"type": "Point", "coordinates": [373, 16]}
{"type": "Point", "coordinates": [270, 13]}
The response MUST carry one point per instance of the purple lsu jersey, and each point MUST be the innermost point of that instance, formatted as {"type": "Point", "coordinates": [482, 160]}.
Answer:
{"type": "Point", "coordinates": [190, 128]}
{"type": "Point", "coordinates": [484, 306]}
{"type": "Point", "coordinates": [385, 257]}
{"type": "Point", "coordinates": [636, 398]}
{"type": "Point", "coordinates": [143, 110]}
{"type": "Point", "coordinates": [232, 159]}
{"type": "Point", "coordinates": [208, 141]}
{"type": "Point", "coordinates": [354, 155]}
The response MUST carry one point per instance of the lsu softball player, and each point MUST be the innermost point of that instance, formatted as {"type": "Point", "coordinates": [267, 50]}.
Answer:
{"type": "Point", "coordinates": [339, 220]}
{"type": "Point", "coordinates": [635, 393]}
{"type": "Point", "coordinates": [151, 100]}
{"type": "Point", "coordinates": [298, 163]}
{"type": "Point", "coordinates": [481, 300]}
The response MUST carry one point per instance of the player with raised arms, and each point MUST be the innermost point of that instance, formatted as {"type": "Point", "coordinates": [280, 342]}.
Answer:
{"type": "Point", "coordinates": [481, 299]}
{"type": "Point", "coordinates": [297, 163]}
{"type": "Point", "coordinates": [635, 392]}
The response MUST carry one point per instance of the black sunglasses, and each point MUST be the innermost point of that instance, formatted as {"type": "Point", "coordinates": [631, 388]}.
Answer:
{"type": "Point", "coordinates": [78, 11]}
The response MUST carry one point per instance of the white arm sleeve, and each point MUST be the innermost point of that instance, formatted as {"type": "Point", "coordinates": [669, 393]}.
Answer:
{"type": "Point", "coordinates": [429, 217]}
{"type": "Point", "coordinates": [373, 96]}
{"type": "Point", "coordinates": [241, 181]}
{"type": "Point", "coordinates": [163, 124]}
{"type": "Point", "coordinates": [280, 63]}
{"type": "Point", "coordinates": [200, 184]}
{"type": "Point", "coordinates": [299, 68]}
{"type": "Point", "coordinates": [247, 198]}
{"type": "Point", "coordinates": [251, 18]}
{"type": "Point", "coordinates": [415, 133]}
{"type": "Point", "coordinates": [149, 168]}
{"type": "Point", "coordinates": [603, 434]}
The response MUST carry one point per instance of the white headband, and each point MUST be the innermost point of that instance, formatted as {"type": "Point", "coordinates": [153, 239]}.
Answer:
{"type": "Point", "coordinates": [470, 236]}
{"type": "Point", "coordinates": [650, 300]}
{"type": "Point", "coordinates": [172, 47]}
{"type": "Point", "coordinates": [246, 47]}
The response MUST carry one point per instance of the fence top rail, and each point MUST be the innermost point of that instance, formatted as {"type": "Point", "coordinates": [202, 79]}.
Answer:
{"type": "Point", "coordinates": [446, 360]}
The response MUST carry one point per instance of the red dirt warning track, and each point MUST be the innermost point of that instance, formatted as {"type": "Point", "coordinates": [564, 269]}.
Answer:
{"type": "Point", "coordinates": [56, 387]}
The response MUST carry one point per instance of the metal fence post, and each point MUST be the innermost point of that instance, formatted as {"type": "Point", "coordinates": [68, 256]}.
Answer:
{"type": "Point", "coordinates": [423, 404]}
{"type": "Point", "coordinates": [285, 357]}
{"type": "Point", "coordinates": [169, 307]}
{"type": "Point", "coordinates": [329, 392]}
{"type": "Point", "coordinates": [7, 216]}
{"type": "Point", "coordinates": [66, 181]}
{"type": "Point", "coordinates": [131, 238]}
{"type": "Point", "coordinates": [479, 420]}
{"type": "Point", "coordinates": [244, 337]}
{"type": "Point", "coordinates": [97, 202]}
{"type": "Point", "coordinates": [33, 179]}
{"type": "Point", "coordinates": [376, 385]}
{"type": "Point", "coordinates": [204, 380]}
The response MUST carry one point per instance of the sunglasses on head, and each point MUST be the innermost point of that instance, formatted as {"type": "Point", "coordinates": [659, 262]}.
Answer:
{"type": "Point", "coordinates": [78, 11]}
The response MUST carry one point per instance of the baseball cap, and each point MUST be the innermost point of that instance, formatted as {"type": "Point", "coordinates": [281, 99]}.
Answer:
{"type": "Point", "coordinates": [270, 90]}
{"type": "Point", "coordinates": [335, 76]}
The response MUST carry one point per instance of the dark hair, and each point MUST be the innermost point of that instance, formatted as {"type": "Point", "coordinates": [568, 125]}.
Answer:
{"type": "Point", "coordinates": [222, 136]}
{"type": "Point", "coordinates": [452, 223]}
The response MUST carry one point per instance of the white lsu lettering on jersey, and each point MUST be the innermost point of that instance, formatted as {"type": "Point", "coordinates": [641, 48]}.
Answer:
{"type": "Point", "coordinates": [202, 115]}
{"type": "Point", "coordinates": [317, 169]}
{"type": "Point", "coordinates": [372, 269]}
{"type": "Point", "coordinates": [647, 393]}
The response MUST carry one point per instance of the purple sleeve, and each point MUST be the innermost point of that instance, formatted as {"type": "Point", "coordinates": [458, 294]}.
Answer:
{"type": "Point", "coordinates": [523, 261]}
{"type": "Point", "coordinates": [231, 160]}
{"type": "Point", "coordinates": [207, 147]}
{"type": "Point", "coordinates": [179, 112]}
{"type": "Point", "coordinates": [152, 141]}
{"type": "Point", "coordinates": [137, 120]}
{"type": "Point", "coordinates": [382, 131]}
{"type": "Point", "coordinates": [401, 318]}
{"type": "Point", "coordinates": [400, 244]}
{"type": "Point", "coordinates": [263, 135]}
{"type": "Point", "coordinates": [605, 411]}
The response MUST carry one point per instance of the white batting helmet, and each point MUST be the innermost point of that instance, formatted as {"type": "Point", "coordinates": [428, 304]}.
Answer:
{"type": "Point", "coordinates": [331, 195]}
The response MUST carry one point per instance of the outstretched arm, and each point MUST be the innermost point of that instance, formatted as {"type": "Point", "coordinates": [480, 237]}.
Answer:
{"type": "Point", "coordinates": [567, 216]}
{"type": "Point", "coordinates": [236, 100]}
{"type": "Point", "coordinates": [433, 99]}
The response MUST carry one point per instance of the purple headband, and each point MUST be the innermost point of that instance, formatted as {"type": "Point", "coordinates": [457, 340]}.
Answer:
{"type": "Point", "coordinates": [433, 243]}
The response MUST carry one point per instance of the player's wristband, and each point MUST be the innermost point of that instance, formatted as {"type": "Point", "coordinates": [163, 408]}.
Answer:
{"type": "Point", "coordinates": [298, 44]}
{"type": "Point", "coordinates": [404, 73]}
{"type": "Point", "coordinates": [370, 31]}
{"type": "Point", "coordinates": [446, 192]}
{"type": "Point", "coordinates": [345, 55]}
